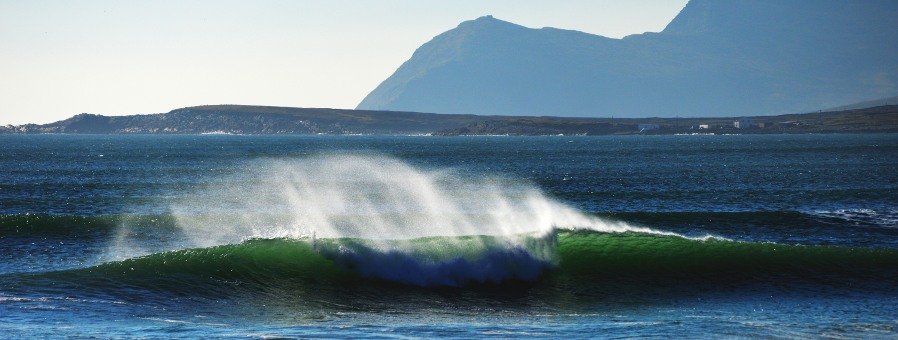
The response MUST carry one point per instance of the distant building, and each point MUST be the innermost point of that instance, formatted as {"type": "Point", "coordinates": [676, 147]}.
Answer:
{"type": "Point", "coordinates": [743, 123]}
{"type": "Point", "coordinates": [704, 126]}
{"type": "Point", "coordinates": [647, 127]}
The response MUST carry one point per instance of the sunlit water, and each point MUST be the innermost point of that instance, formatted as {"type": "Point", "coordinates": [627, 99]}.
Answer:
{"type": "Point", "coordinates": [186, 236]}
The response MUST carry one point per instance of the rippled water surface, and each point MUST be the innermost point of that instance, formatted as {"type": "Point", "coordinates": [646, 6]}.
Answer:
{"type": "Point", "coordinates": [612, 236]}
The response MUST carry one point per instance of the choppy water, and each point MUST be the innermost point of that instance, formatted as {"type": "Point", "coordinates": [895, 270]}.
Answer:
{"type": "Point", "coordinates": [255, 236]}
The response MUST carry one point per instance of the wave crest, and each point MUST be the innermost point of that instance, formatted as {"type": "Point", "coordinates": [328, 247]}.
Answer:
{"type": "Point", "coordinates": [378, 199]}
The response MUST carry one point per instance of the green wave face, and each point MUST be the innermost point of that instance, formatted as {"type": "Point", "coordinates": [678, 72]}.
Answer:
{"type": "Point", "coordinates": [250, 261]}
{"type": "Point", "coordinates": [645, 258]}
{"type": "Point", "coordinates": [424, 262]}
{"type": "Point", "coordinates": [584, 259]}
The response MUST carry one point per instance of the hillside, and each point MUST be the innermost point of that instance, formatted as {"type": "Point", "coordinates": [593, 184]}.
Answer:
{"type": "Point", "coordinates": [242, 119]}
{"type": "Point", "coordinates": [716, 58]}
{"type": "Point", "coordinates": [237, 119]}
{"type": "Point", "coordinates": [867, 104]}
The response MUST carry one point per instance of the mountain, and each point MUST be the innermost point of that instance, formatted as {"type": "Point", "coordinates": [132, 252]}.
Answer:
{"type": "Point", "coordinates": [243, 119]}
{"type": "Point", "coordinates": [716, 58]}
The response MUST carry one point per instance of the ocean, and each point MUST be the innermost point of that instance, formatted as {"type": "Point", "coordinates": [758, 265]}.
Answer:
{"type": "Point", "coordinates": [185, 236]}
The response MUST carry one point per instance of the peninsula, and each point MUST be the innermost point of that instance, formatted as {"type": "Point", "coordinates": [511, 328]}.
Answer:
{"type": "Point", "coordinates": [241, 119]}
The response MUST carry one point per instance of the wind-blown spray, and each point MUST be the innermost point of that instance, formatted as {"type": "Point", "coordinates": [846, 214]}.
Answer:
{"type": "Point", "coordinates": [388, 219]}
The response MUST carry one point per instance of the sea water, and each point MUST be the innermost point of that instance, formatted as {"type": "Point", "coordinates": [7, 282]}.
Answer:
{"type": "Point", "coordinates": [397, 236]}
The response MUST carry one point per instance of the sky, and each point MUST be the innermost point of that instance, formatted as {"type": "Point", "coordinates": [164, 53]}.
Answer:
{"type": "Point", "coordinates": [61, 58]}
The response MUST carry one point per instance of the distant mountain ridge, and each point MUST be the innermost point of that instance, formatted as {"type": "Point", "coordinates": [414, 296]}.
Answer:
{"type": "Point", "coordinates": [245, 119]}
{"type": "Point", "coordinates": [716, 58]}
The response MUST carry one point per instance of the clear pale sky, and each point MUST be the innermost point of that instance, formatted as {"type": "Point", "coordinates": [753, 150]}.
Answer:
{"type": "Point", "coordinates": [60, 58]}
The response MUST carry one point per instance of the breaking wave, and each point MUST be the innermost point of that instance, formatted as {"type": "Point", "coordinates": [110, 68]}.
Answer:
{"type": "Point", "coordinates": [361, 219]}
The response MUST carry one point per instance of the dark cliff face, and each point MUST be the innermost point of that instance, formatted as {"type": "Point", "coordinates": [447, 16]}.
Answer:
{"type": "Point", "coordinates": [715, 58]}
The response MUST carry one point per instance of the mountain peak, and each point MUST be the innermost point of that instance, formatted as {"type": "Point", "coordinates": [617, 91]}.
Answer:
{"type": "Point", "coordinates": [486, 23]}
{"type": "Point", "coordinates": [716, 58]}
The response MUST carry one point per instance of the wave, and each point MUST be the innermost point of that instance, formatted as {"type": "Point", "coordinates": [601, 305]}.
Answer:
{"type": "Point", "coordinates": [359, 196]}
{"type": "Point", "coordinates": [129, 235]}
{"type": "Point", "coordinates": [860, 217]}
{"type": "Point", "coordinates": [425, 262]}
{"type": "Point", "coordinates": [643, 257]}
{"type": "Point", "coordinates": [582, 259]}
{"type": "Point", "coordinates": [77, 226]}
{"type": "Point", "coordinates": [357, 221]}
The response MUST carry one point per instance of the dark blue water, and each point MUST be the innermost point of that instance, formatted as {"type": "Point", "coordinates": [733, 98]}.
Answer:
{"type": "Point", "coordinates": [805, 238]}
